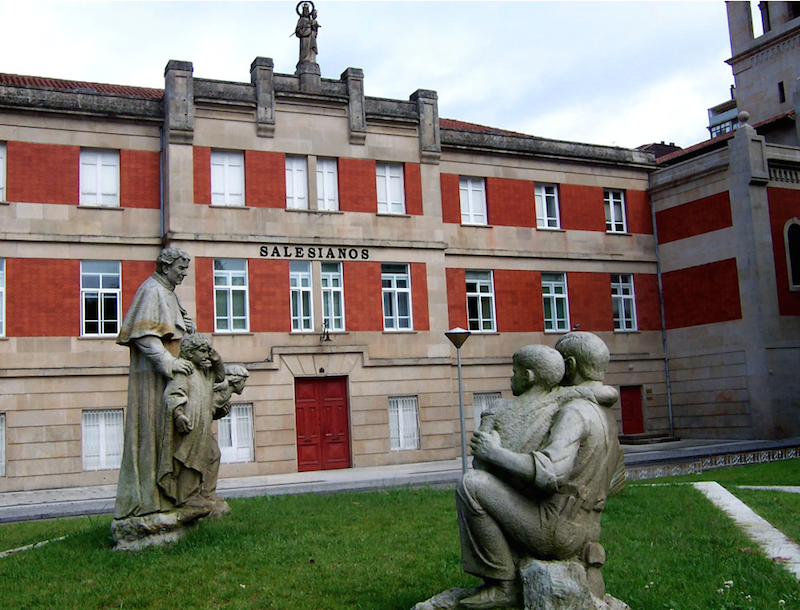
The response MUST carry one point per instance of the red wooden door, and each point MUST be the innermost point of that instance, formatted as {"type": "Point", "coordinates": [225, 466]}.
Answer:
{"type": "Point", "coordinates": [630, 399]}
{"type": "Point", "coordinates": [323, 431]}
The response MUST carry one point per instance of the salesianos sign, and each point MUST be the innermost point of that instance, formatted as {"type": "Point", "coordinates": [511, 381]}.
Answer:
{"type": "Point", "coordinates": [314, 252]}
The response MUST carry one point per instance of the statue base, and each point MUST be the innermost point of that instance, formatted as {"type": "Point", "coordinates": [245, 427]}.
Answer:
{"type": "Point", "coordinates": [155, 529]}
{"type": "Point", "coordinates": [310, 76]}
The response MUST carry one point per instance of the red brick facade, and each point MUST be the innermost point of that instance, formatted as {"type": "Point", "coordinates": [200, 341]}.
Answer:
{"type": "Point", "coordinates": [648, 305]}
{"type": "Point", "coordinates": [784, 204]}
{"type": "Point", "coordinates": [362, 295]}
{"type": "Point", "coordinates": [264, 179]}
{"type": "Point", "coordinates": [204, 293]}
{"type": "Point", "coordinates": [201, 162]}
{"type": "Point", "coordinates": [702, 295]}
{"type": "Point", "coordinates": [638, 211]}
{"type": "Point", "coordinates": [140, 179]}
{"type": "Point", "coordinates": [38, 306]}
{"type": "Point", "coordinates": [456, 297]}
{"type": "Point", "coordinates": [510, 203]}
{"type": "Point", "coordinates": [133, 274]}
{"type": "Point", "coordinates": [451, 200]}
{"type": "Point", "coordinates": [518, 301]}
{"type": "Point", "coordinates": [582, 207]}
{"type": "Point", "coordinates": [419, 296]}
{"type": "Point", "coordinates": [412, 182]}
{"type": "Point", "coordinates": [270, 303]}
{"type": "Point", "coordinates": [590, 301]}
{"type": "Point", "coordinates": [357, 187]}
{"type": "Point", "coordinates": [42, 173]}
{"type": "Point", "coordinates": [694, 218]}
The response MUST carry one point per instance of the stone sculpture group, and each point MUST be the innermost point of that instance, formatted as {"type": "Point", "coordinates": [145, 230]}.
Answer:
{"type": "Point", "coordinates": [177, 385]}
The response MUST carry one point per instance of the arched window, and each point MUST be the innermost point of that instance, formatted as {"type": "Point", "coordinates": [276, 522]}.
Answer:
{"type": "Point", "coordinates": [792, 242]}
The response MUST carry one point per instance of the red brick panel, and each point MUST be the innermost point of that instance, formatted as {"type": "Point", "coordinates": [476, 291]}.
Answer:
{"type": "Point", "coordinates": [510, 203]}
{"type": "Point", "coordinates": [419, 296]}
{"type": "Point", "coordinates": [140, 179]}
{"type": "Point", "coordinates": [202, 174]}
{"type": "Point", "coordinates": [133, 274]}
{"type": "Point", "coordinates": [590, 301]}
{"type": "Point", "coordinates": [518, 301]}
{"type": "Point", "coordinates": [412, 182]}
{"type": "Point", "coordinates": [582, 207]}
{"type": "Point", "coordinates": [42, 173]}
{"type": "Point", "coordinates": [43, 297]}
{"type": "Point", "coordinates": [204, 293]}
{"type": "Point", "coordinates": [705, 294]}
{"type": "Point", "coordinates": [637, 209]}
{"type": "Point", "coordinates": [264, 179]}
{"type": "Point", "coordinates": [270, 305]}
{"type": "Point", "coordinates": [784, 204]}
{"type": "Point", "coordinates": [648, 307]}
{"type": "Point", "coordinates": [362, 295]}
{"type": "Point", "coordinates": [694, 218]}
{"type": "Point", "coordinates": [456, 297]}
{"type": "Point", "coordinates": [357, 187]}
{"type": "Point", "coordinates": [451, 200]}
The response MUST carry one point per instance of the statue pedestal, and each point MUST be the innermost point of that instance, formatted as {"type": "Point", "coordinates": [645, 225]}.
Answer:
{"type": "Point", "coordinates": [562, 585]}
{"type": "Point", "coordinates": [310, 76]}
{"type": "Point", "coordinates": [155, 529]}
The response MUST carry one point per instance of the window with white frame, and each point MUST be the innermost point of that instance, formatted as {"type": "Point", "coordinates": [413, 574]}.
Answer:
{"type": "Point", "coordinates": [556, 307]}
{"type": "Point", "coordinates": [2, 444]}
{"type": "Point", "coordinates": [403, 422]}
{"type": "Point", "coordinates": [99, 178]}
{"type": "Point", "coordinates": [296, 183]}
{"type": "Point", "coordinates": [2, 171]}
{"type": "Point", "coordinates": [2, 297]}
{"type": "Point", "coordinates": [615, 210]}
{"type": "Point", "coordinates": [235, 433]}
{"type": "Point", "coordinates": [391, 192]}
{"type": "Point", "coordinates": [332, 296]}
{"type": "Point", "coordinates": [547, 206]}
{"type": "Point", "coordinates": [300, 287]}
{"type": "Point", "coordinates": [327, 185]}
{"type": "Point", "coordinates": [482, 401]}
{"type": "Point", "coordinates": [480, 301]}
{"type": "Point", "coordinates": [623, 301]}
{"type": "Point", "coordinates": [101, 293]}
{"type": "Point", "coordinates": [227, 177]}
{"type": "Point", "coordinates": [396, 288]}
{"type": "Point", "coordinates": [472, 192]}
{"type": "Point", "coordinates": [230, 295]}
{"type": "Point", "coordinates": [102, 433]}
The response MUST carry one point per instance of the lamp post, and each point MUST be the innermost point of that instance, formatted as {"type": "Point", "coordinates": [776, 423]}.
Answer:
{"type": "Point", "coordinates": [457, 337]}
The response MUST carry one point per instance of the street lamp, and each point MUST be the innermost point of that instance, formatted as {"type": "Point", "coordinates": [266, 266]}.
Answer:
{"type": "Point", "coordinates": [457, 337]}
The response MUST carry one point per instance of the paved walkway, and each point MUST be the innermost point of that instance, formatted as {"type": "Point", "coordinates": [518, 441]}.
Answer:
{"type": "Point", "coordinates": [44, 504]}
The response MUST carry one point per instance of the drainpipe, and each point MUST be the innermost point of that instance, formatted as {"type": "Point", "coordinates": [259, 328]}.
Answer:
{"type": "Point", "coordinates": [161, 180]}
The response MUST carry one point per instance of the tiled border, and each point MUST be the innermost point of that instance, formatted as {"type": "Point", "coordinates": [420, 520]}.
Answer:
{"type": "Point", "coordinates": [698, 465]}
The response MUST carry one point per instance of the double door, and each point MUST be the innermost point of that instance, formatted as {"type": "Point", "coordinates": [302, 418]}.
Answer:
{"type": "Point", "coordinates": [323, 431]}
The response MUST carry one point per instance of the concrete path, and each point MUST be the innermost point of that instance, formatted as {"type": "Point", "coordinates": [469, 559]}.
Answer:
{"type": "Point", "coordinates": [774, 543]}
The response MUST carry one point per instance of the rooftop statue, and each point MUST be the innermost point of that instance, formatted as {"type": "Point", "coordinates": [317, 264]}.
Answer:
{"type": "Point", "coordinates": [543, 464]}
{"type": "Point", "coordinates": [306, 31]}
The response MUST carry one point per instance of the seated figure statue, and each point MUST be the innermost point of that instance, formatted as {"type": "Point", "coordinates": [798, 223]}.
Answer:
{"type": "Point", "coordinates": [543, 462]}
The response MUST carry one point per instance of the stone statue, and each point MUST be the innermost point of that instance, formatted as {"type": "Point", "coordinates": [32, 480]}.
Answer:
{"type": "Point", "coordinates": [153, 502]}
{"type": "Point", "coordinates": [543, 463]}
{"type": "Point", "coordinates": [306, 31]}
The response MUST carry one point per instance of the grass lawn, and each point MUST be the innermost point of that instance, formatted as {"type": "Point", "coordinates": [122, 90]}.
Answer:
{"type": "Point", "coordinates": [668, 547]}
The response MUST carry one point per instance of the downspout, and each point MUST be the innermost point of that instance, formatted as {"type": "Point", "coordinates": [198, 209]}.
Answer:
{"type": "Point", "coordinates": [161, 182]}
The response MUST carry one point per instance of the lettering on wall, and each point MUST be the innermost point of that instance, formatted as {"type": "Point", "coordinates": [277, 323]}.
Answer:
{"type": "Point", "coordinates": [314, 252]}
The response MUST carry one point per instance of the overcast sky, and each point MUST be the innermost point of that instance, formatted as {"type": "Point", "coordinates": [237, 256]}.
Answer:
{"type": "Point", "coordinates": [621, 73]}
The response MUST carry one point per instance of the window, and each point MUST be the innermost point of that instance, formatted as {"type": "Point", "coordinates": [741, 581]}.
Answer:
{"type": "Point", "coordinates": [403, 423]}
{"type": "Point", "coordinates": [2, 171]}
{"type": "Point", "coordinates": [480, 301]}
{"type": "Point", "coordinates": [781, 93]}
{"type": "Point", "coordinates": [391, 194]}
{"type": "Point", "coordinates": [236, 435]}
{"type": "Point", "coordinates": [230, 295]}
{"type": "Point", "coordinates": [2, 444]}
{"type": "Point", "coordinates": [724, 127]}
{"type": "Point", "coordinates": [547, 206]}
{"type": "Point", "coordinates": [615, 211]}
{"type": "Point", "coordinates": [623, 301]}
{"type": "Point", "coordinates": [472, 192]}
{"type": "Point", "coordinates": [300, 287]}
{"type": "Point", "coordinates": [102, 439]}
{"type": "Point", "coordinates": [2, 297]}
{"type": "Point", "coordinates": [327, 186]}
{"type": "Point", "coordinates": [792, 238]}
{"type": "Point", "coordinates": [227, 177]}
{"type": "Point", "coordinates": [332, 296]}
{"type": "Point", "coordinates": [480, 402]}
{"type": "Point", "coordinates": [100, 297]}
{"type": "Point", "coordinates": [99, 178]}
{"type": "Point", "coordinates": [396, 287]}
{"type": "Point", "coordinates": [296, 198]}
{"type": "Point", "coordinates": [556, 308]}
